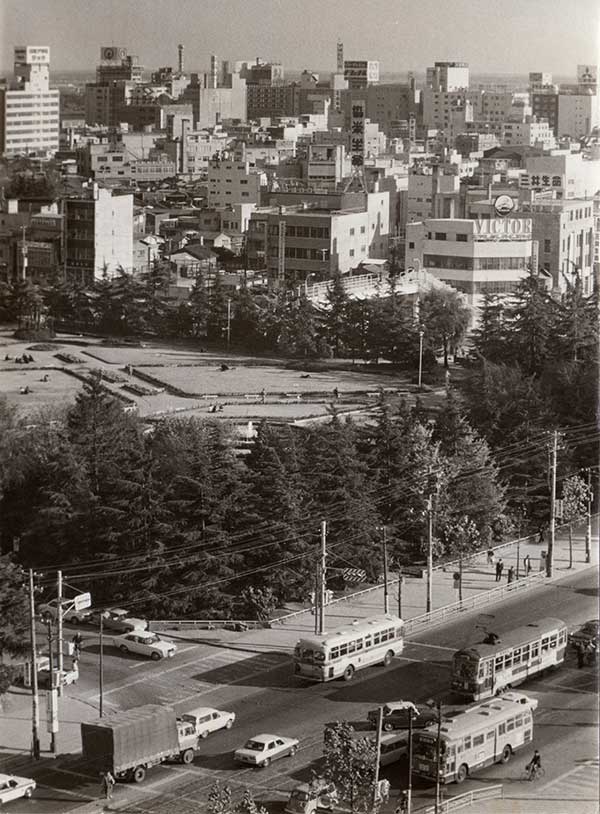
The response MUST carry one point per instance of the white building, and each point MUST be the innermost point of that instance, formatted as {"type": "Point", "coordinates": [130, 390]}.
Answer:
{"type": "Point", "coordinates": [473, 256]}
{"type": "Point", "coordinates": [529, 133]}
{"type": "Point", "coordinates": [98, 234]}
{"type": "Point", "coordinates": [233, 181]}
{"type": "Point", "coordinates": [448, 76]}
{"type": "Point", "coordinates": [578, 113]}
{"type": "Point", "coordinates": [568, 175]}
{"type": "Point", "coordinates": [29, 110]}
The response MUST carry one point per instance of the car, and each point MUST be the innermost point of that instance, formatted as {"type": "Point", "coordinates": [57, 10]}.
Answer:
{"type": "Point", "coordinates": [519, 698]}
{"type": "Point", "coordinates": [144, 643]}
{"type": "Point", "coordinates": [69, 613]}
{"type": "Point", "coordinates": [117, 619]}
{"type": "Point", "coordinates": [396, 715]}
{"type": "Point", "coordinates": [262, 749]}
{"type": "Point", "coordinates": [587, 634]}
{"type": "Point", "coordinates": [13, 787]}
{"type": "Point", "coordinates": [206, 720]}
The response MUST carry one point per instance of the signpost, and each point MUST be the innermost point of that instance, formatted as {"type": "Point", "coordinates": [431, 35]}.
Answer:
{"type": "Point", "coordinates": [82, 602]}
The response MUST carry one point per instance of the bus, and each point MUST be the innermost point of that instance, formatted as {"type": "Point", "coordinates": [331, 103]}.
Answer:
{"type": "Point", "coordinates": [393, 747]}
{"type": "Point", "coordinates": [484, 670]}
{"type": "Point", "coordinates": [476, 737]}
{"type": "Point", "coordinates": [342, 652]}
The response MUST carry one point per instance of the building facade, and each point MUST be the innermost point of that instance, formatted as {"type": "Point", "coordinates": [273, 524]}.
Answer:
{"type": "Point", "coordinates": [29, 109]}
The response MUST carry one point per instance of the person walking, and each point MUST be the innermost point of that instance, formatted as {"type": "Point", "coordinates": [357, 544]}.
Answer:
{"type": "Point", "coordinates": [402, 807]}
{"type": "Point", "coordinates": [527, 564]}
{"type": "Point", "coordinates": [499, 569]}
{"type": "Point", "coordinates": [384, 790]}
{"type": "Point", "coordinates": [510, 574]}
{"type": "Point", "coordinates": [580, 648]}
{"type": "Point", "coordinates": [490, 556]}
{"type": "Point", "coordinates": [77, 642]}
{"type": "Point", "coordinates": [107, 784]}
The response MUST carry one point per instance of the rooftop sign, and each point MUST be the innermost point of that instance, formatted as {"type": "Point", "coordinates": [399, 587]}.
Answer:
{"type": "Point", "coordinates": [502, 229]}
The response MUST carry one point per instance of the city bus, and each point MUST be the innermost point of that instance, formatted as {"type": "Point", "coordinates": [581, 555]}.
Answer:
{"type": "Point", "coordinates": [393, 747]}
{"type": "Point", "coordinates": [340, 653]}
{"type": "Point", "coordinates": [479, 736]}
{"type": "Point", "coordinates": [486, 669]}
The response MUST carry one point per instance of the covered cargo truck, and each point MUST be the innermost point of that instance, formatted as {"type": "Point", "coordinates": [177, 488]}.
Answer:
{"type": "Point", "coordinates": [130, 742]}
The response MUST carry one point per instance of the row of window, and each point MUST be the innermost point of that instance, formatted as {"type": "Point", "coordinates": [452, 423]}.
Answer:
{"type": "Point", "coordinates": [227, 180]}
{"type": "Point", "coordinates": [364, 643]}
{"type": "Point", "coordinates": [460, 237]}
{"type": "Point", "coordinates": [472, 741]}
{"type": "Point", "coordinates": [475, 263]}
{"type": "Point", "coordinates": [306, 254]}
{"type": "Point", "coordinates": [483, 286]}
{"type": "Point", "coordinates": [302, 231]}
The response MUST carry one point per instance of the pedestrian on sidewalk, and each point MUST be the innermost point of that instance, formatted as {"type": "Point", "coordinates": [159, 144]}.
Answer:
{"type": "Point", "coordinates": [510, 574]}
{"type": "Point", "coordinates": [527, 564]}
{"type": "Point", "coordinates": [499, 569]}
{"type": "Point", "coordinates": [402, 803]}
{"type": "Point", "coordinates": [580, 648]}
{"type": "Point", "coordinates": [107, 784]}
{"type": "Point", "coordinates": [77, 641]}
{"type": "Point", "coordinates": [384, 790]}
{"type": "Point", "coordinates": [490, 556]}
{"type": "Point", "coordinates": [541, 532]}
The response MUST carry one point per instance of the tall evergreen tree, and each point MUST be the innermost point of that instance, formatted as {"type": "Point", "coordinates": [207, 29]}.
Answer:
{"type": "Point", "coordinates": [336, 319]}
{"type": "Point", "coordinates": [445, 318]}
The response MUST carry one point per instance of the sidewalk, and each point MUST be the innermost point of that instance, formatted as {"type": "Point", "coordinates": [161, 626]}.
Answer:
{"type": "Point", "coordinates": [478, 578]}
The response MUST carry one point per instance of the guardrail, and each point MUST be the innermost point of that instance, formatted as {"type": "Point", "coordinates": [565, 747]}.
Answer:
{"type": "Point", "coordinates": [467, 799]}
{"type": "Point", "coordinates": [207, 624]}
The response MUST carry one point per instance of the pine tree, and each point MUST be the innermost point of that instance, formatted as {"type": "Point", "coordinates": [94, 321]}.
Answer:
{"type": "Point", "coordinates": [445, 319]}
{"type": "Point", "coordinates": [336, 324]}
{"type": "Point", "coordinates": [14, 610]}
{"type": "Point", "coordinates": [490, 335]}
{"type": "Point", "coordinates": [216, 323]}
{"type": "Point", "coordinates": [199, 307]}
{"type": "Point", "coordinates": [531, 321]}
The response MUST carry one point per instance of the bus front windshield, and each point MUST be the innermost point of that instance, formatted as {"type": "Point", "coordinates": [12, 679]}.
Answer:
{"type": "Point", "coordinates": [308, 654]}
{"type": "Point", "coordinates": [426, 748]}
{"type": "Point", "coordinates": [466, 667]}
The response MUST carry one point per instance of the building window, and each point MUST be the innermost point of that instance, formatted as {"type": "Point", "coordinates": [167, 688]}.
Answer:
{"type": "Point", "coordinates": [351, 252]}
{"type": "Point", "coordinates": [411, 245]}
{"type": "Point", "coordinates": [362, 230]}
{"type": "Point", "coordinates": [440, 236]}
{"type": "Point", "coordinates": [547, 246]}
{"type": "Point", "coordinates": [351, 232]}
{"type": "Point", "coordinates": [461, 238]}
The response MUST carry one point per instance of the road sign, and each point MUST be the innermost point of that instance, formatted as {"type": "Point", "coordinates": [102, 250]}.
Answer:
{"type": "Point", "coordinates": [82, 601]}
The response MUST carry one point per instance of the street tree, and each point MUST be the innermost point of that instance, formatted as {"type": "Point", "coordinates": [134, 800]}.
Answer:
{"type": "Point", "coordinates": [575, 496]}
{"type": "Point", "coordinates": [14, 609]}
{"type": "Point", "coordinates": [351, 765]}
{"type": "Point", "coordinates": [445, 318]}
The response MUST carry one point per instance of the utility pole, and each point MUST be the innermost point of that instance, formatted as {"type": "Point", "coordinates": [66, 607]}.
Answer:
{"type": "Point", "coordinates": [386, 595]}
{"type": "Point", "coordinates": [316, 600]}
{"type": "Point", "coordinates": [588, 530]}
{"type": "Point", "coordinates": [410, 749]}
{"type": "Point", "coordinates": [550, 555]}
{"type": "Point", "coordinates": [24, 253]}
{"type": "Point", "coordinates": [228, 322]}
{"type": "Point", "coordinates": [400, 583]}
{"type": "Point", "coordinates": [51, 696]}
{"type": "Point", "coordinates": [322, 576]}
{"type": "Point", "coordinates": [420, 358]}
{"type": "Point", "coordinates": [460, 577]}
{"type": "Point", "coordinates": [35, 701]}
{"type": "Point", "coordinates": [101, 668]}
{"type": "Point", "coordinates": [429, 552]}
{"type": "Point", "coordinates": [438, 755]}
{"type": "Point", "coordinates": [377, 757]}
{"type": "Point", "coordinates": [59, 621]}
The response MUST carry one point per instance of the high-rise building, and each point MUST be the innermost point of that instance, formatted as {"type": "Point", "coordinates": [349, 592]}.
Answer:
{"type": "Point", "coordinates": [116, 76]}
{"type": "Point", "coordinates": [359, 73]}
{"type": "Point", "coordinates": [446, 77]}
{"type": "Point", "coordinates": [29, 109]}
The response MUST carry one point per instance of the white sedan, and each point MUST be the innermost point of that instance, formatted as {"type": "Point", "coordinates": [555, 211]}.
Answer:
{"type": "Point", "coordinates": [206, 720]}
{"type": "Point", "coordinates": [69, 613]}
{"type": "Point", "coordinates": [145, 643]}
{"type": "Point", "coordinates": [262, 749]}
{"type": "Point", "coordinates": [13, 788]}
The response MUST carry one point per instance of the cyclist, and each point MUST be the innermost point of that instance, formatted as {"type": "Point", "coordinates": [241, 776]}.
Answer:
{"type": "Point", "coordinates": [534, 765]}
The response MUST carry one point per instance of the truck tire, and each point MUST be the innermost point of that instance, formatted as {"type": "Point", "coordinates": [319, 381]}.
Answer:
{"type": "Point", "coordinates": [388, 726]}
{"type": "Point", "coordinates": [187, 756]}
{"type": "Point", "coordinates": [139, 774]}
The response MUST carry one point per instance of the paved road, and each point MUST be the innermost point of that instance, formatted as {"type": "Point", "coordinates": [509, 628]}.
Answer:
{"type": "Point", "coordinates": [263, 692]}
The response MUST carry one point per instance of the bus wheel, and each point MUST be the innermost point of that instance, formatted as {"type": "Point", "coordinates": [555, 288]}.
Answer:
{"type": "Point", "coordinates": [349, 673]}
{"type": "Point", "coordinates": [387, 659]}
{"type": "Point", "coordinates": [462, 773]}
{"type": "Point", "coordinates": [139, 774]}
{"type": "Point", "coordinates": [499, 691]}
{"type": "Point", "coordinates": [506, 754]}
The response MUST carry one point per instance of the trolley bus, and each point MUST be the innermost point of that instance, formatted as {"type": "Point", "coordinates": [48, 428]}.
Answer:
{"type": "Point", "coordinates": [349, 648]}
{"type": "Point", "coordinates": [479, 736]}
{"type": "Point", "coordinates": [484, 670]}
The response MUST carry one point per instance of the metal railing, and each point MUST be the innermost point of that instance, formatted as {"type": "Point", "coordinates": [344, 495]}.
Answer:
{"type": "Point", "coordinates": [467, 799]}
{"type": "Point", "coordinates": [207, 624]}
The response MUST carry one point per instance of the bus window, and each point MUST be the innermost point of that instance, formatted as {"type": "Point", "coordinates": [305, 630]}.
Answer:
{"type": "Point", "coordinates": [501, 729]}
{"type": "Point", "coordinates": [459, 748]}
{"type": "Point", "coordinates": [335, 653]}
{"type": "Point", "coordinates": [510, 724]}
{"type": "Point", "coordinates": [467, 743]}
{"type": "Point", "coordinates": [508, 660]}
{"type": "Point", "coordinates": [553, 640]}
{"type": "Point", "coordinates": [367, 642]}
{"type": "Point", "coordinates": [499, 662]}
{"type": "Point", "coordinates": [384, 636]}
{"type": "Point", "coordinates": [359, 644]}
{"type": "Point", "coordinates": [343, 650]}
{"type": "Point", "coordinates": [517, 655]}
{"type": "Point", "coordinates": [376, 638]}
{"type": "Point", "coordinates": [562, 636]}
{"type": "Point", "coordinates": [518, 720]}
{"type": "Point", "coordinates": [490, 735]}
{"type": "Point", "coordinates": [399, 632]}
{"type": "Point", "coordinates": [545, 644]}
{"type": "Point", "coordinates": [477, 740]}
{"type": "Point", "coordinates": [526, 718]}
{"type": "Point", "coordinates": [351, 647]}
{"type": "Point", "coordinates": [526, 653]}
{"type": "Point", "coordinates": [535, 650]}
{"type": "Point", "coordinates": [390, 633]}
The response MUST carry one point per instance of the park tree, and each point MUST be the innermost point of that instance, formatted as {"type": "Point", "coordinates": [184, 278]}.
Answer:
{"type": "Point", "coordinates": [298, 334]}
{"type": "Point", "coordinates": [336, 322]}
{"type": "Point", "coordinates": [575, 496]}
{"type": "Point", "coordinates": [445, 318]}
{"type": "Point", "coordinates": [246, 321]}
{"type": "Point", "coordinates": [199, 306]}
{"type": "Point", "coordinates": [490, 335]}
{"type": "Point", "coordinates": [351, 765]}
{"type": "Point", "coordinates": [218, 310]}
{"type": "Point", "coordinates": [531, 321]}
{"type": "Point", "coordinates": [14, 609]}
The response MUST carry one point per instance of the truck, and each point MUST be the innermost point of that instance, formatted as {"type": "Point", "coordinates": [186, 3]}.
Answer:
{"type": "Point", "coordinates": [128, 743]}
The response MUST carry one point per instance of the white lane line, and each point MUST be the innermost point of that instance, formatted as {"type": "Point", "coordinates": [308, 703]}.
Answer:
{"type": "Point", "coordinates": [433, 646]}
{"type": "Point", "coordinates": [560, 780]}
{"type": "Point", "coordinates": [79, 796]}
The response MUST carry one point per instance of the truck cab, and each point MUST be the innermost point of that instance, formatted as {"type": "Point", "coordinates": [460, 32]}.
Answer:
{"type": "Point", "coordinates": [188, 741]}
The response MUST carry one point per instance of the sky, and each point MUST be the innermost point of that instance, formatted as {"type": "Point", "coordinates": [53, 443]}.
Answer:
{"type": "Point", "coordinates": [493, 36]}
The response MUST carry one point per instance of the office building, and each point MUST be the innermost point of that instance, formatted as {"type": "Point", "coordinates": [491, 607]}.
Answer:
{"type": "Point", "coordinates": [447, 77]}
{"type": "Point", "coordinates": [117, 76]}
{"type": "Point", "coordinates": [360, 73]}
{"type": "Point", "coordinates": [216, 96]}
{"type": "Point", "coordinates": [232, 181]}
{"type": "Point", "coordinates": [98, 234]}
{"type": "Point", "coordinates": [29, 109]}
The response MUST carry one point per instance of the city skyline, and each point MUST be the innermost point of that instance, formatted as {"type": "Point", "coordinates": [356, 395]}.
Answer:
{"type": "Point", "coordinates": [527, 36]}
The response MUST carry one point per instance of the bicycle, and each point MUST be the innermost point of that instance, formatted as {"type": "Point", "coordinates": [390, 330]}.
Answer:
{"type": "Point", "coordinates": [533, 773]}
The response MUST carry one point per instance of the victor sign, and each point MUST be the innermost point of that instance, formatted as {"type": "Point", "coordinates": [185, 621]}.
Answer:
{"type": "Point", "coordinates": [503, 229]}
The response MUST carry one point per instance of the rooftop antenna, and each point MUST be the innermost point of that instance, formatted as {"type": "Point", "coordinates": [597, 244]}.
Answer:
{"type": "Point", "coordinates": [180, 58]}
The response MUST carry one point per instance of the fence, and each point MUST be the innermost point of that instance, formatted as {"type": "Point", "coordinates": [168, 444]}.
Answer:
{"type": "Point", "coordinates": [207, 624]}
{"type": "Point", "coordinates": [467, 799]}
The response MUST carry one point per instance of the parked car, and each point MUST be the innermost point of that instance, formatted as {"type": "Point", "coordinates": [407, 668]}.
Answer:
{"type": "Point", "coordinates": [69, 613]}
{"type": "Point", "coordinates": [206, 720]}
{"type": "Point", "coordinates": [308, 798]}
{"type": "Point", "coordinates": [262, 749]}
{"type": "Point", "coordinates": [117, 619]}
{"type": "Point", "coordinates": [13, 787]}
{"type": "Point", "coordinates": [587, 634]}
{"type": "Point", "coordinates": [396, 715]}
{"type": "Point", "coordinates": [144, 643]}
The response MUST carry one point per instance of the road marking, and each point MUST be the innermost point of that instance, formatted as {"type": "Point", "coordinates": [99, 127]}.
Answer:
{"type": "Point", "coordinates": [573, 689]}
{"type": "Point", "coordinates": [434, 646]}
{"type": "Point", "coordinates": [589, 767]}
{"type": "Point", "coordinates": [85, 797]}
